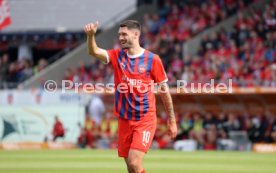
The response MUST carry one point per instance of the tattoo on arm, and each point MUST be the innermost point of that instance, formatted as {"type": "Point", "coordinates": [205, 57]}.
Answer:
{"type": "Point", "coordinates": [167, 101]}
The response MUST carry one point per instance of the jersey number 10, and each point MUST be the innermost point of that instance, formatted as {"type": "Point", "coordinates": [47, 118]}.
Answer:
{"type": "Point", "coordinates": [146, 136]}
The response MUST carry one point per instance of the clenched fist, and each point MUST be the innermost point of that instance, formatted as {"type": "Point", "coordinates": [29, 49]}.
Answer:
{"type": "Point", "coordinates": [91, 28]}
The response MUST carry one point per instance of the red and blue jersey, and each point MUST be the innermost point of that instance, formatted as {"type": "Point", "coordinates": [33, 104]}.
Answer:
{"type": "Point", "coordinates": [134, 75]}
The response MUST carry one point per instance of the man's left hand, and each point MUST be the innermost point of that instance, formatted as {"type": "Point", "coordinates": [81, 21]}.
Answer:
{"type": "Point", "coordinates": [172, 128]}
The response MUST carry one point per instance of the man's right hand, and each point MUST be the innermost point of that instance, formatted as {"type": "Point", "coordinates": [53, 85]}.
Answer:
{"type": "Point", "coordinates": [91, 28]}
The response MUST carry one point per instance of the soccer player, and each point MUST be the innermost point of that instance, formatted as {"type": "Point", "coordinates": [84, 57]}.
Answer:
{"type": "Point", "coordinates": [135, 107]}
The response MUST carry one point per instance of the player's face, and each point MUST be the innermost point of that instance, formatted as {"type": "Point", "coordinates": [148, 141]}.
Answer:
{"type": "Point", "coordinates": [126, 37]}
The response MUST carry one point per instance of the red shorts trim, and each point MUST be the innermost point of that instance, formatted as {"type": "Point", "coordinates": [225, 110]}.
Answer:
{"type": "Point", "coordinates": [135, 135]}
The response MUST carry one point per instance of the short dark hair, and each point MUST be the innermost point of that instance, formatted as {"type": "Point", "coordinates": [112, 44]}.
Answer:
{"type": "Point", "coordinates": [131, 24]}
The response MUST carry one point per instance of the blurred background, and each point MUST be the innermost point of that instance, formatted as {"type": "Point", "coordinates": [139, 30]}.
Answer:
{"type": "Point", "coordinates": [197, 40]}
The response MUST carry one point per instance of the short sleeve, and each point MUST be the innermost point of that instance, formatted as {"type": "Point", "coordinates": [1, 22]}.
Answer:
{"type": "Point", "coordinates": [158, 72]}
{"type": "Point", "coordinates": [112, 55]}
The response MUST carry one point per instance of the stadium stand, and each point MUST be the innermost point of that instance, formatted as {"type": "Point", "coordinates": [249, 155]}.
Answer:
{"type": "Point", "coordinates": [219, 53]}
{"type": "Point", "coordinates": [22, 52]}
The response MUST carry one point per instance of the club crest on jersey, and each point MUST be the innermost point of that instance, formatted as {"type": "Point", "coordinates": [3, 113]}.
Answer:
{"type": "Point", "coordinates": [142, 69]}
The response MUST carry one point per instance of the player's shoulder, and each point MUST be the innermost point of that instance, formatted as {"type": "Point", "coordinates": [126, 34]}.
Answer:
{"type": "Point", "coordinates": [116, 52]}
{"type": "Point", "coordinates": [154, 56]}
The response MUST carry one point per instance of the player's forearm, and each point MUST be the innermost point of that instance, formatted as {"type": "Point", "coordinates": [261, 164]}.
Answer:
{"type": "Point", "coordinates": [94, 50]}
{"type": "Point", "coordinates": [167, 101]}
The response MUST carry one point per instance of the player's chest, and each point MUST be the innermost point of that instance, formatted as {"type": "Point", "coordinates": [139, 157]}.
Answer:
{"type": "Point", "coordinates": [134, 68]}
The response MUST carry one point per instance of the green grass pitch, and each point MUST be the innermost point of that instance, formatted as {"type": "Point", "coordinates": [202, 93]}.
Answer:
{"type": "Point", "coordinates": [156, 161]}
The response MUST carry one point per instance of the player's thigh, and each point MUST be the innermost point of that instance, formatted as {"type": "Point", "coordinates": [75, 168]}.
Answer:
{"type": "Point", "coordinates": [124, 138]}
{"type": "Point", "coordinates": [143, 135]}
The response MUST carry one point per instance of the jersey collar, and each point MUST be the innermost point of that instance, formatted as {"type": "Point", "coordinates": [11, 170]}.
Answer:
{"type": "Point", "coordinates": [137, 55]}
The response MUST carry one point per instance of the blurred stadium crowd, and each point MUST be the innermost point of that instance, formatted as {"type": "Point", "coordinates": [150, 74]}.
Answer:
{"type": "Point", "coordinates": [246, 55]}
{"type": "Point", "coordinates": [210, 131]}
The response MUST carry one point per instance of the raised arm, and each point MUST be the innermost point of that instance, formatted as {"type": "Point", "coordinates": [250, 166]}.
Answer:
{"type": "Point", "coordinates": [93, 49]}
{"type": "Point", "coordinates": [168, 104]}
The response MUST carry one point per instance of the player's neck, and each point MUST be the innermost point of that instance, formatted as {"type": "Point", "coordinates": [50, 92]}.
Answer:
{"type": "Point", "coordinates": [135, 50]}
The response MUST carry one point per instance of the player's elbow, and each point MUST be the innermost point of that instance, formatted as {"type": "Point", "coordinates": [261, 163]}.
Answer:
{"type": "Point", "coordinates": [95, 54]}
{"type": "Point", "coordinates": [99, 56]}
{"type": "Point", "coordinates": [164, 88]}
{"type": "Point", "coordinates": [92, 52]}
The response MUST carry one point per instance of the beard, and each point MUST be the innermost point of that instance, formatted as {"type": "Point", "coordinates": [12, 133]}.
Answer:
{"type": "Point", "coordinates": [128, 44]}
